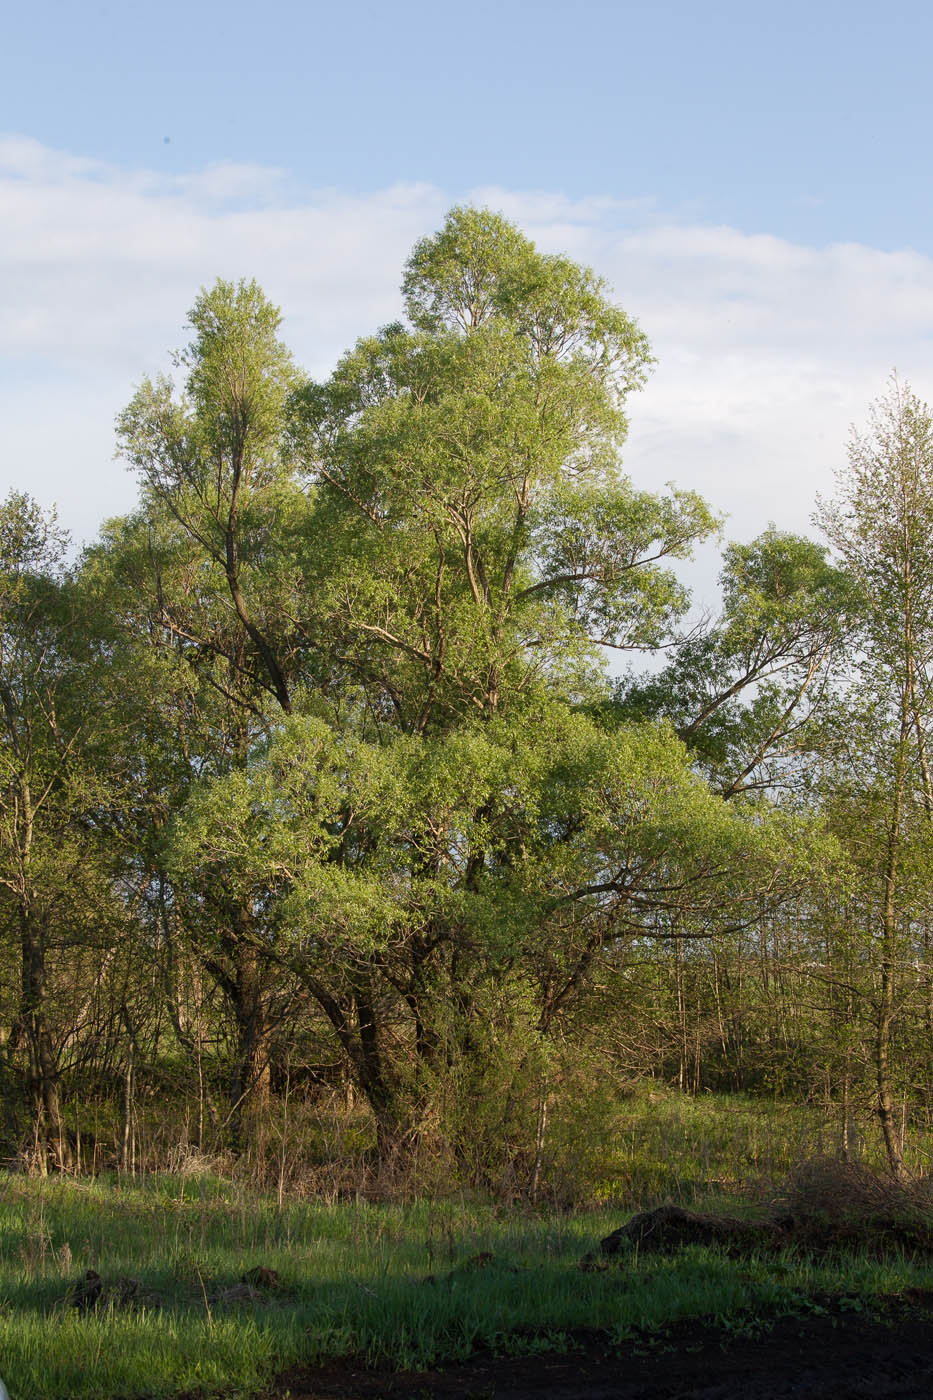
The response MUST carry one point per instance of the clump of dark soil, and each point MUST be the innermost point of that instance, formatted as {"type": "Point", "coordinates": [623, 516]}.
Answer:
{"type": "Point", "coordinates": [262, 1277]}
{"type": "Point", "coordinates": [258, 1286]}
{"type": "Point", "coordinates": [92, 1292]}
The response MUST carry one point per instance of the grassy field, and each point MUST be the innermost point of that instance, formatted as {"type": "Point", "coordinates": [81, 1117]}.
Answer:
{"type": "Point", "coordinates": [398, 1283]}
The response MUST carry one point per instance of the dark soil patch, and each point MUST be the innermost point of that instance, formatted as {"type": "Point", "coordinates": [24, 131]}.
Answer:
{"type": "Point", "coordinates": [836, 1355]}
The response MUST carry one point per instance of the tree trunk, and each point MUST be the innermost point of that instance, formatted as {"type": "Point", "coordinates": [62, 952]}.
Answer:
{"type": "Point", "coordinates": [886, 1111]}
{"type": "Point", "coordinates": [355, 1025]}
{"type": "Point", "coordinates": [250, 1081]}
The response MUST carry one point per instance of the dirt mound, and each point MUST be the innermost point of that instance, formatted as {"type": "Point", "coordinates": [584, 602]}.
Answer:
{"type": "Point", "coordinates": [259, 1286]}
{"type": "Point", "coordinates": [236, 1295]}
{"type": "Point", "coordinates": [828, 1206]}
{"type": "Point", "coordinates": [262, 1277]}
{"type": "Point", "coordinates": [670, 1228]}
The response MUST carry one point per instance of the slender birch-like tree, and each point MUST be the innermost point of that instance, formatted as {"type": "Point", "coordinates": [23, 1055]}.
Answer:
{"type": "Point", "coordinates": [881, 526]}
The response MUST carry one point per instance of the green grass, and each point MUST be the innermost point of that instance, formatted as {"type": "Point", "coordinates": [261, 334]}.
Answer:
{"type": "Point", "coordinates": [353, 1281]}
{"type": "Point", "coordinates": [663, 1145]}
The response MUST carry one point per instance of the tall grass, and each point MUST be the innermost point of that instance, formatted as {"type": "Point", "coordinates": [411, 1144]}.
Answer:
{"type": "Point", "coordinates": [658, 1144]}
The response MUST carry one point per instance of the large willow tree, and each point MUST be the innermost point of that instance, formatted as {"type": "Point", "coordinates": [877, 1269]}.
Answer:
{"type": "Point", "coordinates": [394, 592]}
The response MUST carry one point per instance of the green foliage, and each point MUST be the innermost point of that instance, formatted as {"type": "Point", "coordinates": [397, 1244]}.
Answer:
{"type": "Point", "coordinates": [60, 909]}
{"type": "Point", "coordinates": [480, 268]}
{"type": "Point", "coordinates": [419, 824]}
{"type": "Point", "coordinates": [747, 694]}
{"type": "Point", "coordinates": [482, 537]}
{"type": "Point", "coordinates": [229, 417]}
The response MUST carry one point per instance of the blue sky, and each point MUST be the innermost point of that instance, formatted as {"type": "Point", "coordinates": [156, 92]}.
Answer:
{"type": "Point", "coordinates": [806, 120]}
{"type": "Point", "coordinates": [752, 179]}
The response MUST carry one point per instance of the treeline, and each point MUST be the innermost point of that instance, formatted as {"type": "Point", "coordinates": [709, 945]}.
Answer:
{"type": "Point", "coordinates": [315, 784]}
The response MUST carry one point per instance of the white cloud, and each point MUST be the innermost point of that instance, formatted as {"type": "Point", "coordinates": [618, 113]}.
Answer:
{"type": "Point", "coordinates": [767, 350]}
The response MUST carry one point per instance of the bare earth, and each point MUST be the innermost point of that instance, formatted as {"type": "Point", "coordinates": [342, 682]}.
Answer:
{"type": "Point", "coordinates": [836, 1356]}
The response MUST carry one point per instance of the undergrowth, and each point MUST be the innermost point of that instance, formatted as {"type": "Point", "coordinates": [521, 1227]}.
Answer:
{"type": "Point", "coordinates": [404, 1285]}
